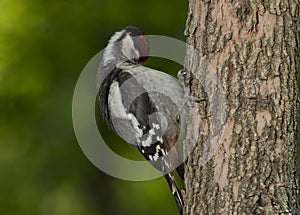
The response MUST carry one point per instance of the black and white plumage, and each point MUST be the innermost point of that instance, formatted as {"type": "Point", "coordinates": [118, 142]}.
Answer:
{"type": "Point", "coordinates": [132, 104]}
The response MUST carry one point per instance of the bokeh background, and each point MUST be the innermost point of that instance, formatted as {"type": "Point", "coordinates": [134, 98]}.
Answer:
{"type": "Point", "coordinates": [44, 45]}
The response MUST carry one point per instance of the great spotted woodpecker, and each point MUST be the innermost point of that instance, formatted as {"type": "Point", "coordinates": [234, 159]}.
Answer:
{"type": "Point", "coordinates": [146, 119]}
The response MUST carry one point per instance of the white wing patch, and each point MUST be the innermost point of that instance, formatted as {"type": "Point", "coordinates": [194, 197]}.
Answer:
{"type": "Point", "coordinates": [115, 104]}
{"type": "Point", "coordinates": [135, 125]}
{"type": "Point", "coordinates": [156, 126]}
{"type": "Point", "coordinates": [148, 141]}
{"type": "Point", "coordinates": [118, 111]}
{"type": "Point", "coordinates": [157, 150]}
{"type": "Point", "coordinates": [159, 139]}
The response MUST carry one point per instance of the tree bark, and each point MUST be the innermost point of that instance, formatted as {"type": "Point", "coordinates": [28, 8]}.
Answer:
{"type": "Point", "coordinates": [252, 48]}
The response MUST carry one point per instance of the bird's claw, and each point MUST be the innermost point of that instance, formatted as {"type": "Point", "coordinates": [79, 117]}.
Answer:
{"type": "Point", "coordinates": [181, 77]}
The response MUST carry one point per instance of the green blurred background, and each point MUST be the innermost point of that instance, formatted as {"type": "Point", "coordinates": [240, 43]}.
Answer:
{"type": "Point", "coordinates": [44, 45]}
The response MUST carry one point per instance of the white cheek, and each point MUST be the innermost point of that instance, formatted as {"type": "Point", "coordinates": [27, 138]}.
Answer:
{"type": "Point", "coordinates": [128, 49]}
{"type": "Point", "coordinates": [136, 53]}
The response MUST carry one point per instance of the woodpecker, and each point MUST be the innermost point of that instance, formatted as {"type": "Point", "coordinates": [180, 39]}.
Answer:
{"type": "Point", "coordinates": [146, 119]}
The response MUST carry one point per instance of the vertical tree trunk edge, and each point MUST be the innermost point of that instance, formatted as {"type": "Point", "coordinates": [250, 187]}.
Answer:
{"type": "Point", "coordinates": [253, 48]}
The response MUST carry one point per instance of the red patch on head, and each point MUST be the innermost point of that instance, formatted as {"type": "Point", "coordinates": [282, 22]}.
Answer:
{"type": "Point", "coordinates": [142, 44]}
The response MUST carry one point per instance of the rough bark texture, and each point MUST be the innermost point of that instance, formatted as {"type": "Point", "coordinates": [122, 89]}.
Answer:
{"type": "Point", "coordinates": [252, 45]}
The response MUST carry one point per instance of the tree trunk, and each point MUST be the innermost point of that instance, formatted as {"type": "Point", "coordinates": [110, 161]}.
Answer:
{"type": "Point", "coordinates": [249, 167]}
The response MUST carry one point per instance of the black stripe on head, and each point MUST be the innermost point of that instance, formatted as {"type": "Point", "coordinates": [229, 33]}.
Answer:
{"type": "Point", "coordinates": [122, 37]}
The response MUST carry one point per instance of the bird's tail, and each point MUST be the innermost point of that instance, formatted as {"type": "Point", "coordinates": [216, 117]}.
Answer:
{"type": "Point", "coordinates": [175, 191]}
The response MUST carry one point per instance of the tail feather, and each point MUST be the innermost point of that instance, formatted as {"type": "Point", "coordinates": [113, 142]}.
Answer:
{"type": "Point", "coordinates": [175, 191]}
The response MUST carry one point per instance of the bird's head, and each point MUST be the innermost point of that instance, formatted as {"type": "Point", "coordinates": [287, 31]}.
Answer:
{"type": "Point", "coordinates": [129, 44]}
